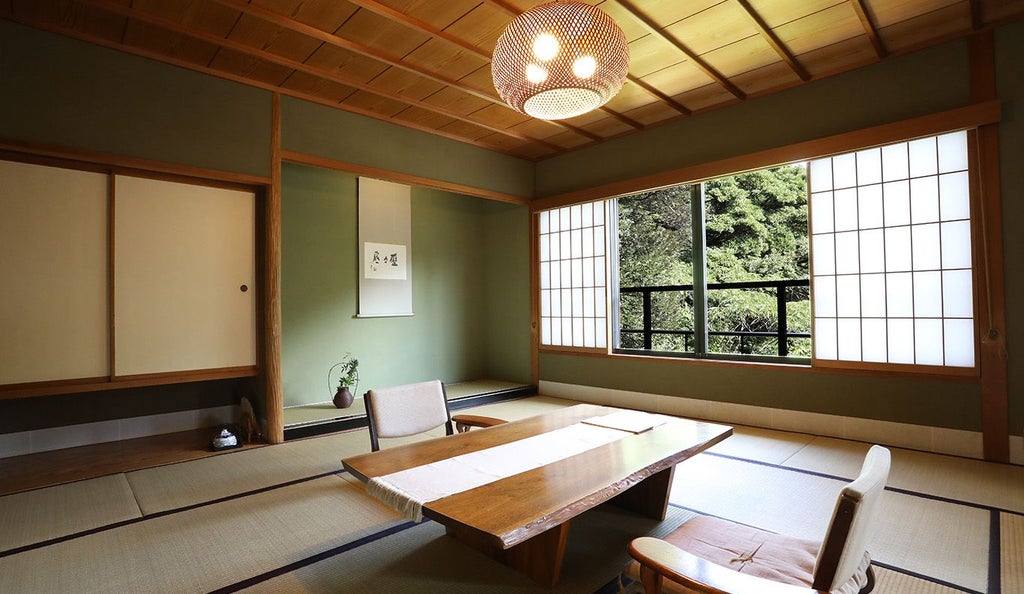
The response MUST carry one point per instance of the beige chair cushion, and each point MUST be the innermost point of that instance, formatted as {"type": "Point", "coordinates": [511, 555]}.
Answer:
{"type": "Point", "coordinates": [771, 556]}
{"type": "Point", "coordinates": [744, 549]}
{"type": "Point", "coordinates": [410, 409]}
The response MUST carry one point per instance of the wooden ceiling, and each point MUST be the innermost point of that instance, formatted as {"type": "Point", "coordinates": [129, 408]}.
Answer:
{"type": "Point", "coordinates": [425, 64]}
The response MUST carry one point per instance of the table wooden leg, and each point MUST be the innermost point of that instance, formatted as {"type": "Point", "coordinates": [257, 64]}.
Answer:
{"type": "Point", "coordinates": [650, 496]}
{"type": "Point", "coordinates": [539, 558]}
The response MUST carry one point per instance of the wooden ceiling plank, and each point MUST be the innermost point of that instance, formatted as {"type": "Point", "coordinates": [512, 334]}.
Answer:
{"type": "Point", "coordinates": [420, 25]}
{"type": "Point", "coordinates": [282, 61]}
{"type": "Point", "coordinates": [654, 29]}
{"type": "Point", "coordinates": [869, 28]}
{"type": "Point", "coordinates": [349, 45]}
{"type": "Point", "coordinates": [774, 41]}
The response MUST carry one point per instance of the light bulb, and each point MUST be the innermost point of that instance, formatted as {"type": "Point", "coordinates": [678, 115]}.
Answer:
{"type": "Point", "coordinates": [536, 74]}
{"type": "Point", "coordinates": [545, 47]}
{"type": "Point", "coordinates": [584, 66]}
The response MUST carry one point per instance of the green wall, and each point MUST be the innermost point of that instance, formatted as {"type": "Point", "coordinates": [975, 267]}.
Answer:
{"type": "Point", "coordinates": [65, 93]}
{"type": "Point", "coordinates": [470, 290]}
{"type": "Point", "coordinates": [62, 92]}
{"type": "Point", "coordinates": [319, 130]}
{"type": "Point", "coordinates": [896, 89]}
{"type": "Point", "coordinates": [890, 91]}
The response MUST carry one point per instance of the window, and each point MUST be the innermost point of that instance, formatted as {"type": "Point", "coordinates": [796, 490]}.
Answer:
{"type": "Point", "coordinates": [573, 289]}
{"type": "Point", "coordinates": [717, 269]}
{"type": "Point", "coordinates": [872, 249]}
{"type": "Point", "coordinates": [892, 266]}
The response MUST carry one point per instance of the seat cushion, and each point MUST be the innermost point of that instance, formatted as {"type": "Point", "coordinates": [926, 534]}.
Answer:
{"type": "Point", "coordinates": [775, 557]}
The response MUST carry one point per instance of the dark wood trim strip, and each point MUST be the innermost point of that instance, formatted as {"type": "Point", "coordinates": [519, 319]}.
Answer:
{"type": "Point", "coordinates": [405, 178]}
{"type": "Point", "coordinates": [977, 114]}
{"type": "Point", "coordinates": [869, 28]}
{"type": "Point", "coordinates": [82, 385]}
{"type": "Point", "coordinates": [129, 165]}
{"type": "Point", "coordinates": [773, 40]}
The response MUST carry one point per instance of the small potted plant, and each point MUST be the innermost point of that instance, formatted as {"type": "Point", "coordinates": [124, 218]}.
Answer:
{"type": "Point", "coordinates": [348, 380]}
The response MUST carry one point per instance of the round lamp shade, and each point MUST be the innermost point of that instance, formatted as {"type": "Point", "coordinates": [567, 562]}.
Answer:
{"type": "Point", "coordinates": [560, 60]}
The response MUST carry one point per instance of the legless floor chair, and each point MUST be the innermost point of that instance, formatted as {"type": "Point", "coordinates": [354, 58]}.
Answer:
{"type": "Point", "coordinates": [709, 555]}
{"type": "Point", "coordinates": [414, 408]}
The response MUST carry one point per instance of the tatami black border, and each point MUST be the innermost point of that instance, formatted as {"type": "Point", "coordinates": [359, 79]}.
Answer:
{"type": "Point", "coordinates": [995, 559]}
{"type": "Point", "coordinates": [273, 573]}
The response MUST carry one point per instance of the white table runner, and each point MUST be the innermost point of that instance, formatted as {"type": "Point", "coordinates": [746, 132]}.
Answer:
{"type": "Point", "coordinates": [407, 490]}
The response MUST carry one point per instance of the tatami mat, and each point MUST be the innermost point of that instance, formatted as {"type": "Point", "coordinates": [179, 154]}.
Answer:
{"type": "Point", "coordinates": [204, 548]}
{"type": "Point", "coordinates": [424, 560]}
{"type": "Point", "coordinates": [973, 481]}
{"type": "Point", "coordinates": [43, 514]}
{"type": "Point", "coordinates": [1011, 536]}
{"type": "Point", "coordinates": [892, 582]}
{"type": "Point", "coordinates": [280, 505]}
{"type": "Point", "coordinates": [763, 445]}
{"type": "Point", "coordinates": [181, 485]}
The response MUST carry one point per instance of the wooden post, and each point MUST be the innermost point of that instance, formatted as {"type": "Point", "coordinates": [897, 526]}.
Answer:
{"type": "Point", "coordinates": [991, 294]}
{"type": "Point", "coordinates": [273, 386]}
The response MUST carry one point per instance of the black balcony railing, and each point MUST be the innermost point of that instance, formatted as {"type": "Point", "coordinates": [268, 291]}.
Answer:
{"type": "Point", "coordinates": [781, 333]}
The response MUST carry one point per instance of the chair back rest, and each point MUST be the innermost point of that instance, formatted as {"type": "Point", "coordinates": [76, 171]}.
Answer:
{"type": "Point", "coordinates": [406, 410]}
{"type": "Point", "coordinates": [852, 523]}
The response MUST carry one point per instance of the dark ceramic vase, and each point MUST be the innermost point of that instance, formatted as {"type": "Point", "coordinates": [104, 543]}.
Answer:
{"type": "Point", "coordinates": [343, 398]}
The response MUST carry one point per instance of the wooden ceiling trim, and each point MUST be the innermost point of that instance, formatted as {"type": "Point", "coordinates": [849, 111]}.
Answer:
{"type": "Point", "coordinates": [773, 40]}
{"type": "Point", "coordinates": [654, 29]}
{"type": "Point", "coordinates": [869, 28]}
{"type": "Point", "coordinates": [300, 66]}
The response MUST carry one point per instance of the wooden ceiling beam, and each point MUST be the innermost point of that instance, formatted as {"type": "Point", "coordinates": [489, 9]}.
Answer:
{"type": "Point", "coordinates": [424, 27]}
{"type": "Point", "coordinates": [773, 40]}
{"type": "Point", "coordinates": [338, 41]}
{"type": "Point", "coordinates": [976, 17]}
{"type": "Point", "coordinates": [660, 96]}
{"type": "Point", "coordinates": [323, 73]}
{"type": "Point", "coordinates": [869, 28]}
{"type": "Point", "coordinates": [655, 29]}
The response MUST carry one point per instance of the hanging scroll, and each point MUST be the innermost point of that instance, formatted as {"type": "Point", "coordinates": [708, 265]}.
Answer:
{"type": "Point", "coordinates": [385, 249]}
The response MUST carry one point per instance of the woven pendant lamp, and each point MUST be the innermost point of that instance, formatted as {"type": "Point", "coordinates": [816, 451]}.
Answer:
{"type": "Point", "coordinates": [560, 60]}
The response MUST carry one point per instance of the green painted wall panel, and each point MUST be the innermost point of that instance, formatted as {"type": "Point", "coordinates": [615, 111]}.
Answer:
{"type": "Point", "coordinates": [63, 92]}
{"type": "Point", "coordinates": [905, 400]}
{"type": "Point", "coordinates": [893, 90]}
{"type": "Point", "coordinates": [319, 130]}
{"type": "Point", "coordinates": [506, 295]}
{"type": "Point", "coordinates": [451, 335]}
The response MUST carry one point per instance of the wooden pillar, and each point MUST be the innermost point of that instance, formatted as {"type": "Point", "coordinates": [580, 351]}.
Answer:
{"type": "Point", "coordinates": [273, 387]}
{"type": "Point", "coordinates": [991, 294]}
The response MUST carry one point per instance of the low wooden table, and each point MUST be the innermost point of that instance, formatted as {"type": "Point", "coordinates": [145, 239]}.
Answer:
{"type": "Point", "coordinates": [523, 520]}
